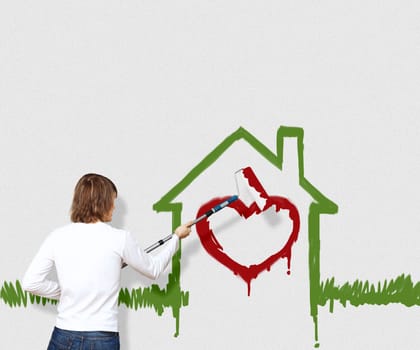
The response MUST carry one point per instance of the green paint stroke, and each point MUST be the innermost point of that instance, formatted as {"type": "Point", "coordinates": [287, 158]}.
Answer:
{"type": "Point", "coordinates": [157, 298]}
{"type": "Point", "coordinates": [13, 295]}
{"type": "Point", "coordinates": [400, 290]}
{"type": "Point", "coordinates": [154, 297]}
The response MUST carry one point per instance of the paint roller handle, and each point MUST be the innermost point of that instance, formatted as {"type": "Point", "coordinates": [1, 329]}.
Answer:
{"type": "Point", "coordinates": [158, 243]}
{"type": "Point", "coordinates": [181, 231]}
{"type": "Point", "coordinates": [182, 228]}
{"type": "Point", "coordinates": [216, 208]}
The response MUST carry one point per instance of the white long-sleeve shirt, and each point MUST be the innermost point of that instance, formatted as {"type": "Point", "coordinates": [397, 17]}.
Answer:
{"type": "Point", "coordinates": [88, 260]}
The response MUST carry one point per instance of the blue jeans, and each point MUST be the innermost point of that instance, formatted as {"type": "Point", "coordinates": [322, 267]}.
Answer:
{"type": "Point", "coordinates": [73, 340]}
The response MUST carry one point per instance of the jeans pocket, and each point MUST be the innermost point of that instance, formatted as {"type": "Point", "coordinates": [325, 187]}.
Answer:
{"type": "Point", "coordinates": [60, 342]}
{"type": "Point", "coordinates": [106, 343]}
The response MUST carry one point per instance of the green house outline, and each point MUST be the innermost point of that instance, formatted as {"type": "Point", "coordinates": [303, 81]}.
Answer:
{"type": "Point", "coordinates": [320, 204]}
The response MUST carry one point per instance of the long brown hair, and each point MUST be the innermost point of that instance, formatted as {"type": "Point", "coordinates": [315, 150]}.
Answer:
{"type": "Point", "coordinates": [93, 198]}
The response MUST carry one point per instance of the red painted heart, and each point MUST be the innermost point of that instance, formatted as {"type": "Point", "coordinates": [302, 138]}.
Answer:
{"type": "Point", "coordinates": [215, 249]}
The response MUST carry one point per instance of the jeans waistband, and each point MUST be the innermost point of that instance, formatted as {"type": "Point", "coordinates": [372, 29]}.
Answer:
{"type": "Point", "coordinates": [86, 334]}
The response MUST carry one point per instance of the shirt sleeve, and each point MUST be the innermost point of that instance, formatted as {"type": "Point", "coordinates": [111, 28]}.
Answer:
{"type": "Point", "coordinates": [149, 265]}
{"type": "Point", "coordinates": [35, 279]}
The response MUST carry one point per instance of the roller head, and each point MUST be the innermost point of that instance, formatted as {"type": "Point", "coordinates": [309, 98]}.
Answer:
{"type": "Point", "coordinates": [249, 188]}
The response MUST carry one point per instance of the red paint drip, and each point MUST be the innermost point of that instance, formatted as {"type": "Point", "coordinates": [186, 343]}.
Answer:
{"type": "Point", "coordinates": [215, 249]}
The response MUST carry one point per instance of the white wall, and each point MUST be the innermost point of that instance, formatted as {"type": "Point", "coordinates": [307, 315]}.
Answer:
{"type": "Point", "coordinates": [141, 91]}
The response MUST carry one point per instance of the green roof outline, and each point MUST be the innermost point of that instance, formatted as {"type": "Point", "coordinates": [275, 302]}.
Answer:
{"type": "Point", "coordinates": [165, 204]}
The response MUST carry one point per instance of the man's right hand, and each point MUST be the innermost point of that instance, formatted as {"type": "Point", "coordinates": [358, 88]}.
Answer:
{"type": "Point", "coordinates": [183, 230]}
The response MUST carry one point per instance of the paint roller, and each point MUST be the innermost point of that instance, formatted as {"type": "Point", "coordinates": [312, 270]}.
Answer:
{"type": "Point", "coordinates": [248, 195]}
